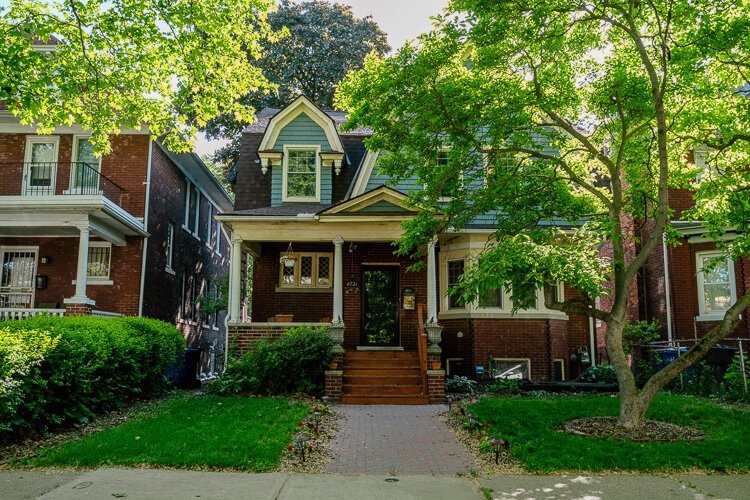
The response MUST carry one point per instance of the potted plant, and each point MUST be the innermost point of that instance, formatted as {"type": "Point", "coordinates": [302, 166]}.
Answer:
{"type": "Point", "coordinates": [288, 259]}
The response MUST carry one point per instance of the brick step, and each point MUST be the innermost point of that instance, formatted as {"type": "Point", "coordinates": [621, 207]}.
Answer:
{"type": "Point", "coordinates": [374, 371]}
{"type": "Point", "coordinates": [396, 399]}
{"type": "Point", "coordinates": [381, 390]}
{"type": "Point", "coordinates": [382, 379]}
{"type": "Point", "coordinates": [381, 363]}
{"type": "Point", "coordinates": [380, 355]}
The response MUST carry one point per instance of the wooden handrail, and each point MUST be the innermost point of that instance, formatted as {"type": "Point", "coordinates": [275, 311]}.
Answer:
{"type": "Point", "coordinates": [422, 347]}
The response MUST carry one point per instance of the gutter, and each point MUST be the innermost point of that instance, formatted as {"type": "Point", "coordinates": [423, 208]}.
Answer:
{"type": "Point", "coordinates": [592, 341]}
{"type": "Point", "coordinates": [145, 226]}
{"type": "Point", "coordinates": [667, 287]}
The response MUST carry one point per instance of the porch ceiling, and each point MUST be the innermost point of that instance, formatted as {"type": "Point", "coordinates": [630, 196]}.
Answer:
{"type": "Point", "coordinates": [42, 223]}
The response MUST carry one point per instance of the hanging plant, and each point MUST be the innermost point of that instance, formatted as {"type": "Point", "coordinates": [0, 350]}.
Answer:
{"type": "Point", "coordinates": [288, 259]}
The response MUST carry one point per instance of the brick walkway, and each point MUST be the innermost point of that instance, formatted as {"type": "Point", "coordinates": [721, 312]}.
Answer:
{"type": "Point", "coordinates": [396, 439]}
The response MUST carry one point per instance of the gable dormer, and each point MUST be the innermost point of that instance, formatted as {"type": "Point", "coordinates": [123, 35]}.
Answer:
{"type": "Point", "coordinates": [301, 150]}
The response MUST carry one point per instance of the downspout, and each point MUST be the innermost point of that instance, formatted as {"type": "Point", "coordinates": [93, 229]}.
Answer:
{"type": "Point", "coordinates": [667, 288]}
{"type": "Point", "coordinates": [145, 226]}
{"type": "Point", "coordinates": [592, 341]}
{"type": "Point", "coordinates": [229, 300]}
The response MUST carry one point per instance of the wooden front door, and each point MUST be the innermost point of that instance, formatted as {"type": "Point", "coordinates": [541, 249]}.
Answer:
{"type": "Point", "coordinates": [380, 308]}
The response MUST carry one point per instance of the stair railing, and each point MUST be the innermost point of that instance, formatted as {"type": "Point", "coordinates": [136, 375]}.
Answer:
{"type": "Point", "coordinates": [422, 347]}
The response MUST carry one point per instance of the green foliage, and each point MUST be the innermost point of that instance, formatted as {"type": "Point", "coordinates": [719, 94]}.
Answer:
{"type": "Point", "coordinates": [460, 385]}
{"type": "Point", "coordinates": [601, 374]}
{"type": "Point", "coordinates": [325, 41]}
{"type": "Point", "coordinates": [294, 363]}
{"type": "Point", "coordinates": [189, 432]}
{"type": "Point", "coordinates": [733, 386]}
{"type": "Point", "coordinates": [169, 66]}
{"type": "Point", "coordinates": [639, 334]}
{"type": "Point", "coordinates": [532, 427]}
{"type": "Point", "coordinates": [502, 386]}
{"type": "Point", "coordinates": [89, 364]}
{"type": "Point", "coordinates": [20, 352]}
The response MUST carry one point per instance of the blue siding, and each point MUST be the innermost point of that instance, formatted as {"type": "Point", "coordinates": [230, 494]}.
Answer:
{"type": "Point", "coordinates": [326, 185]}
{"type": "Point", "coordinates": [302, 130]}
{"type": "Point", "coordinates": [383, 206]}
{"type": "Point", "coordinates": [276, 176]}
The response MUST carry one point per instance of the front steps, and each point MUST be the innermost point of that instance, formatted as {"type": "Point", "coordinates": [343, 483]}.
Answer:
{"type": "Point", "coordinates": [382, 377]}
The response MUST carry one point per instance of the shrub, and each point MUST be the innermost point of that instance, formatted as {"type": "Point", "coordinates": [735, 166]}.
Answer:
{"type": "Point", "coordinates": [733, 386]}
{"type": "Point", "coordinates": [503, 386]}
{"type": "Point", "coordinates": [97, 364]}
{"type": "Point", "coordinates": [601, 374]}
{"type": "Point", "coordinates": [294, 363]}
{"type": "Point", "coordinates": [460, 385]}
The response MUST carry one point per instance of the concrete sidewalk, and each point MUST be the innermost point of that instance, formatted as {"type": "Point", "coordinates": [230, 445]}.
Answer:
{"type": "Point", "coordinates": [174, 484]}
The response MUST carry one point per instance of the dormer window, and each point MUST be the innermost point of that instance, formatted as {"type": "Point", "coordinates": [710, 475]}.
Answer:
{"type": "Point", "coordinates": [301, 179]}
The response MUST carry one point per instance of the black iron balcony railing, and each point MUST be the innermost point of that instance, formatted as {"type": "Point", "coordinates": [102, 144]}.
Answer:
{"type": "Point", "coordinates": [52, 178]}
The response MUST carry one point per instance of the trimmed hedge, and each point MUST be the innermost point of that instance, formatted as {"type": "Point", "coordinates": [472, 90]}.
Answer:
{"type": "Point", "coordinates": [294, 363]}
{"type": "Point", "coordinates": [92, 364]}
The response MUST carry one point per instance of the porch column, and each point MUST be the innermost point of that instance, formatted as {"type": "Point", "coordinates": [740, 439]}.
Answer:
{"type": "Point", "coordinates": [338, 281]}
{"type": "Point", "coordinates": [431, 285]}
{"type": "Point", "coordinates": [235, 276]}
{"type": "Point", "coordinates": [80, 304]}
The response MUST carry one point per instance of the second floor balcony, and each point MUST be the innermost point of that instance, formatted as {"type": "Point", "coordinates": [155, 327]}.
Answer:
{"type": "Point", "coordinates": [45, 179]}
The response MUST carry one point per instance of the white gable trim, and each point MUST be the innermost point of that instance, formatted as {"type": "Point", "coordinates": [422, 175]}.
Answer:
{"type": "Point", "coordinates": [300, 105]}
{"type": "Point", "coordinates": [363, 176]}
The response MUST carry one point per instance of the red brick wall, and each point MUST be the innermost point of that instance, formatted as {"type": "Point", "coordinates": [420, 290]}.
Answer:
{"type": "Point", "coordinates": [125, 271]}
{"type": "Point", "coordinates": [162, 294]}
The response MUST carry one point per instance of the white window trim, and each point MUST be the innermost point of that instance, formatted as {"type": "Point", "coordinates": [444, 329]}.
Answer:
{"type": "Point", "coordinates": [515, 360]}
{"type": "Point", "coordinates": [31, 139]}
{"type": "Point", "coordinates": [285, 170]}
{"type": "Point", "coordinates": [102, 280]}
{"type": "Point", "coordinates": [170, 247]}
{"type": "Point", "coordinates": [209, 224]}
{"type": "Point", "coordinates": [186, 201]}
{"type": "Point", "coordinates": [74, 159]}
{"type": "Point", "coordinates": [473, 310]}
{"type": "Point", "coordinates": [713, 316]}
{"type": "Point", "coordinates": [217, 243]}
{"type": "Point", "coordinates": [315, 256]}
{"type": "Point", "coordinates": [197, 222]}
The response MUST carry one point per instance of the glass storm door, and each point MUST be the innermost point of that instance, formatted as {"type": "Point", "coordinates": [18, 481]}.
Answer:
{"type": "Point", "coordinates": [85, 170]}
{"type": "Point", "coordinates": [380, 308]}
{"type": "Point", "coordinates": [41, 167]}
{"type": "Point", "coordinates": [17, 278]}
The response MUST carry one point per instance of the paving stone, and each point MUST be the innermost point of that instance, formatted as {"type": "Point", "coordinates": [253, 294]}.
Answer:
{"type": "Point", "coordinates": [396, 439]}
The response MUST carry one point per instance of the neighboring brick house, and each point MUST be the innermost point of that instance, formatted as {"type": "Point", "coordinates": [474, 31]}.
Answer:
{"type": "Point", "coordinates": [131, 233]}
{"type": "Point", "coordinates": [676, 292]}
{"type": "Point", "coordinates": [320, 220]}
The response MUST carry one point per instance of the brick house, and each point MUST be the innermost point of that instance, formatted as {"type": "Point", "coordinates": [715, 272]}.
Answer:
{"type": "Point", "coordinates": [319, 221]}
{"type": "Point", "coordinates": [675, 291]}
{"type": "Point", "coordinates": [130, 233]}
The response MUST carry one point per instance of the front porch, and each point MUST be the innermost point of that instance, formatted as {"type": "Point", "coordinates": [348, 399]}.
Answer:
{"type": "Point", "coordinates": [341, 273]}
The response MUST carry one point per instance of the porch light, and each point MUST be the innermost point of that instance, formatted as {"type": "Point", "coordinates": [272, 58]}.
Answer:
{"type": "Point", "coordinates": [288, 259]}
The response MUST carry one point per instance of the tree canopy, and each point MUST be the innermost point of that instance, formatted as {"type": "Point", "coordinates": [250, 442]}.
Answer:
{"type": "Point", "coordinates": [108, 64]}
{"type": "Point", "coordinates": [570, 115]}
{"type": "Point", "coordinates": [324, 42]}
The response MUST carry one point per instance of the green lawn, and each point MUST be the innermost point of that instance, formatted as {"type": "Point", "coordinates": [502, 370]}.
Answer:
{"type": "Point", "coordinates": [530, 426]}
{"type": "Point", "coordinates": [205, 432]}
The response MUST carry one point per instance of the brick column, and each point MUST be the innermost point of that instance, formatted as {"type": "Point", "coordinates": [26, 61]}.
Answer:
{"type": "Point", "coordinates": [78, 309]}
{"type": "Point", "coordinates": [334, 380]}
{"type": "Point", "coordinates": [436, 386]}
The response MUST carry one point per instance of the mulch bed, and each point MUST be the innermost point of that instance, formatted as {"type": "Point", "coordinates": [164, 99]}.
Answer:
{"type": "Point", "coordinates": [317, 459]}
{"type": "Point", "coordinates": [485, 461]}
{"type": "Point", "coordinates": [651, 430]}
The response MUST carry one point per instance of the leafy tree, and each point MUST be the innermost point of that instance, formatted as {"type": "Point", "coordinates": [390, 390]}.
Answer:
{"type": "Point", "coordinates": [106, 64]}
{"type": "Point", "coordinates": [583, 113]}
{"type": "Point", "coordinates": [325, 41]}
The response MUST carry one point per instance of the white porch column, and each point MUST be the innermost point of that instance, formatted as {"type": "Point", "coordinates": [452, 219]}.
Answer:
{"type": "Point", "coordinates": [82, 269]}
{"type": "Point", "coordinates": [235, 275]}
{"type": "Point", "coordinates": [431, 283]}
{"type": "Point", "coordinates": [338, 281]}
